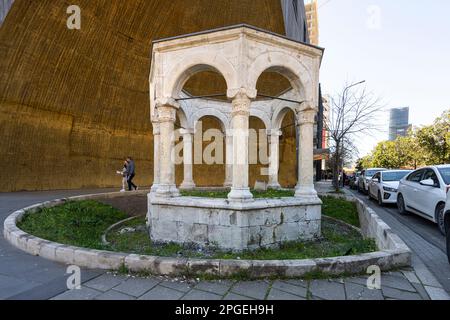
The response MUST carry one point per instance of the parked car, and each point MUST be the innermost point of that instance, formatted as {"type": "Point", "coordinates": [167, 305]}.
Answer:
{"type": "Point", "coordinates": [424, 193]}
{"type": "Point", "coordinates": [447, 224]}
{"type": "Point", "coordinates": [365, 177]}
{"type": "Point", "coordinates": [354, 180]}
{"type": "Point", "coordinates": [384, 185]}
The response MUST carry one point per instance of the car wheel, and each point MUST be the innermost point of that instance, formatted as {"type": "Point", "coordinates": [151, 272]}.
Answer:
{"type": "Point", "coordinates": [380, 200]}
{"type": "Point", "coordinates": [401, 205]}
{"type": "Point", "coordinates": [440, 217]}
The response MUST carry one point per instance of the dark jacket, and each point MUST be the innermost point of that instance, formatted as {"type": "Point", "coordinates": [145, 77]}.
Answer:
{"type": "Point", "coordinates": [131, 168]}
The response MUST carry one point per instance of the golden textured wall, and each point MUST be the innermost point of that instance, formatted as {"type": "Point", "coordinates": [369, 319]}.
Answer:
{"type": "Point", "coordinates": [74, 103]}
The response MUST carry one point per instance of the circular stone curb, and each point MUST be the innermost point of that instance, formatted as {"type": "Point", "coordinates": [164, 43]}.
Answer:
{"type": "Point", "coordinates": [98, 259]}
{"type": "Point", "coordinates": [106, 242]}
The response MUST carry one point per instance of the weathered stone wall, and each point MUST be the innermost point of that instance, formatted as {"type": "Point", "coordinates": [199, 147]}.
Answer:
{"type": "Point", "coordinates": [74, 103]}
{"type": "Point", "coordinates": [264, 223]}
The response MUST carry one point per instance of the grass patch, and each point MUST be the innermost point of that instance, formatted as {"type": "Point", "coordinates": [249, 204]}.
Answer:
{"type": "Point", "coordinates": [340, 209]}
{"type": "Point", "coordinates": [338, 240]}
{"type": "Point", "coordinates": [270, 194]}
{"type": "Point", "coordinates": [78, 223]}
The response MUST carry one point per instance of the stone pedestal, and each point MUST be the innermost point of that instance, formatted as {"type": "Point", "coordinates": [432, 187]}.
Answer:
{"type": "Point", "coordinates": [264, 223]}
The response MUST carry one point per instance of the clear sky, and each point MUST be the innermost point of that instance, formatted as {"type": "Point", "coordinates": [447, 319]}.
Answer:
{"type": "Point", "coordinates": [400, 47]}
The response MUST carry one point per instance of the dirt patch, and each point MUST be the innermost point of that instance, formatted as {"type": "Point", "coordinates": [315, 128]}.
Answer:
{"type": "Point", "coordinates": [132, 205]}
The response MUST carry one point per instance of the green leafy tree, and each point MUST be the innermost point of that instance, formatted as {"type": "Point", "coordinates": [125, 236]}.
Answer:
{"type": "Point", "coordinates": [435, 139]}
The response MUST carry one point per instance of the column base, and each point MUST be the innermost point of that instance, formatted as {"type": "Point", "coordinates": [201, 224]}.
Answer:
{"type": "Point", "coordinates": [227, 184]}
{"type": "Point", "coordinates": [187, 186]}
{"type": "Point", "coordinates": [306, 192]}
{"type": "Point", "coordinates": [240, 194]}
{"type": "Point", "coordinates": [167, 191]}
{"type": "Point", "coordinates": [274, 186]}
{"type": "Point", "coordinates": [154, 187]}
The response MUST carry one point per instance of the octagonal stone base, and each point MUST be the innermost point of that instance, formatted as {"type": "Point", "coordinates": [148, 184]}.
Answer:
{"type": "Point", "coordinates": [233, 225]}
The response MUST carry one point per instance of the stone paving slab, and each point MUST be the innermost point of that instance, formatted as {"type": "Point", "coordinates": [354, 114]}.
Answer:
{"type": "Point", "coordinates": [399, 285]}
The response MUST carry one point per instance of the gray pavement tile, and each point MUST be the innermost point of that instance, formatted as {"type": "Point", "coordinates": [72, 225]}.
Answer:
{"type": "Point", "coordinates": [136, 286]}
{"type": "Point", "coordinates": [234, 296]}
{"type": "Point", "coordinates": [361, 280]}
{"type": "Point", "coordinates": [289, 288]}
{"type": "Point", "coordinates": [217, 287]}
{"type": "Point", "coordinates": [396, 282]}
{"type": "Point", "coordinates": [162, 293]}
{"type": "Point", "coordinates": [114, 295]}
{"type": "Point", "coordinates": [105, 282]}
{"type": "Point", "coordinates": [201, 295]}
{"type": "Point", "coordinates": [327, 290]}
{"type": "Point", "coordinates": [11, 286]}
{"type": "Point", "coordinates": [399, 294]}
{"type": "Point", "coordinates": [276, 294]}
{"type": "Point", "coordinates": [252, 289]}
{"type": "Point", "coordinates": [299, 282]}
{"type": "Point", "coordinates": [177, 285]}
{"type": "Point", "coordinates": [78, 294]}
{"type": "Point", "coordinates": [411, 276]}
{"type": "Point", "coordinates": [421, 291]}
{"type": "Point", "coordinates": [358, 292]}
{"type": "Point", "coordinates": [437, 293]}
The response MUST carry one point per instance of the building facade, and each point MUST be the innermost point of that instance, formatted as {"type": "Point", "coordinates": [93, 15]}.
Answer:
{"type": "Point", "coordinates": [312, 18]}
{"type": "Point", "coordinates": [398, 123]}
{"type": "Point", "coordinates": [74, 103]}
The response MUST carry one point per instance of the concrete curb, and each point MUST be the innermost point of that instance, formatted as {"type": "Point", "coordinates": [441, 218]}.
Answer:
{"type": "Point", "coordinates": [394, 252]}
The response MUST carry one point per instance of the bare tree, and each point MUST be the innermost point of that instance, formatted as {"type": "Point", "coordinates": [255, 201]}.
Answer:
{"type": "Point", "coordinates": [352, 113]}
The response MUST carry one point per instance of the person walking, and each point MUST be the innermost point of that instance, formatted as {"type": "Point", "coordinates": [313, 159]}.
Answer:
{"type": "Point", "coordinates": [124, 174]}
{"type": "Point", "coordinates": [131, 172]}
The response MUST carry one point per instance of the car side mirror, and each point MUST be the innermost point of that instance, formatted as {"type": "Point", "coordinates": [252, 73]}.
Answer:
{"type": "Point", "coordinates": [427, 183]}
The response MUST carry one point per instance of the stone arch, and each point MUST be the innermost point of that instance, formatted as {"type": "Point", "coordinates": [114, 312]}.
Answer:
{"type": "Point", "coordinates": [182, 116]}
{"type": "Point", "coordinates": [294, 70]}
{"type": "Point", "coordinates": [211, 112]}
{"type": "Point", "coordinates": [261, 115]}
{"type": "Point", "coordinates": [279, 114]}
{"type": "Point", "coordinates": [195, 63]}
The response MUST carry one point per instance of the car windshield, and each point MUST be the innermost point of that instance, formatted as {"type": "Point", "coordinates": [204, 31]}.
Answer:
{"type": "Point", "coordinates": [445, 173]}
{"type": "Point", "coordinates": [394, 176]}
{"type": "Point", "coordinates": [371, 173]}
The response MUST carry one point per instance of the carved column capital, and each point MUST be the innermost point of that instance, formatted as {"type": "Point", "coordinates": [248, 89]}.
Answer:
{"type": "Point", "coordinates": [241, 102]}
{"type": "Point", "coordinates": [166, 109]}
{"type": "Point", "coordinates": [306, 116]}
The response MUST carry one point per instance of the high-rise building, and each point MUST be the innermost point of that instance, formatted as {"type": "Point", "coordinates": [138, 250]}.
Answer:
{"type": "Point", "coordinates": [398, 122]}
{"type": "Point", "coordinates": [312, 19]}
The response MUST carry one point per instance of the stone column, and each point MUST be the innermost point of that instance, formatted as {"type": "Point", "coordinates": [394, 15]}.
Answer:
{"type": "Point", "coordinates": [305, 184]}
{"type": "Point", "coordinates": [274, 160]}
{"type": "Point", "coordinates": [240, 124]}
{"type": "Point", "coordinates": [229, 159]}
{"type": "Point", "coordinates": [156, 135]}
{"type": "Point", "coordinates": [188, 180]}
{"type": "Point", "coordinates": [166, 109]}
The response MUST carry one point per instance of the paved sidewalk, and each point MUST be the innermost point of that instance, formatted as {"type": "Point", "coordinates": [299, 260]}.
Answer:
{"type": "Point", "coordinates": [399, 285]}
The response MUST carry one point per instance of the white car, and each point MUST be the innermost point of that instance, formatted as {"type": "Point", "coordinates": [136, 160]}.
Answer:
{"type": "Point", "coordinates": [384, 185]}
{"type": "Point", "coordinates": [365, 177]}
{"type": "Point", "coordinates": [447, 224]}
{"type": "Point", "coordinates": [424, 193]}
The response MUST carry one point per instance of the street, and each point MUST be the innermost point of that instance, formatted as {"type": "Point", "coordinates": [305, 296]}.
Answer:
{"type": "Point", "coordinates": [421, 235]}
